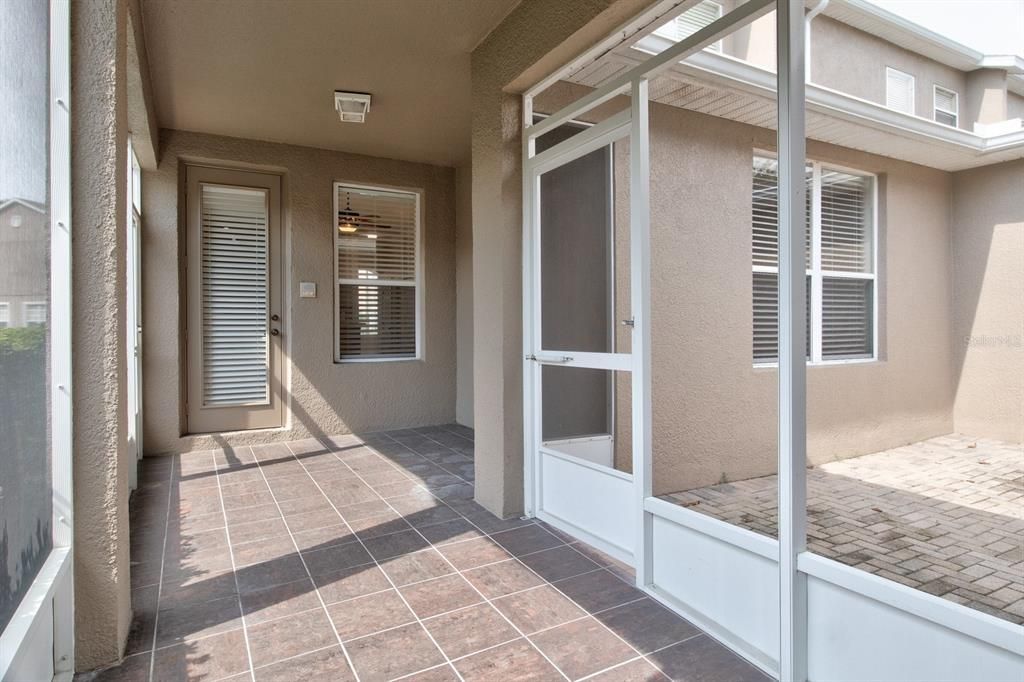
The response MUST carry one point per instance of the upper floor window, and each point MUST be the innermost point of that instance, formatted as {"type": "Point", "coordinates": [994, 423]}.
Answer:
{"type": "Point", "coordinates": [35, 314]}
{"type": "Point", "coordinates": [5, 315]}
{"type": "Point", "coordinates": [947, 106]}
{"type": "Point", "coordinates": [693, 20]}
{"type": "Point", "coordinates": [378, 273]}
{"type": "Point", "coordinates": [899, 90]}
{"type": "Point", "coordinates": [840, 263]}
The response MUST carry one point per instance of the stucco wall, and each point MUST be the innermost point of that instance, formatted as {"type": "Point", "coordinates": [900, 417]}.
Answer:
{"type": "Point", "coordinates": [985, 100]}
{"type": "Point", "coordinates": [988, 268]}
{"type": "Point", "coordinates": [464, 295]}
{"type": "Point", "coordinates": [714, 413]}
{"type": "Point", "coordinates": [852, 61]}
{"type": "Point", "coordinates": [98, 209]}
{"type": "Point", "coordinates": [325, 397]}
{"type": "Point", "coordinates": [1014, 105]}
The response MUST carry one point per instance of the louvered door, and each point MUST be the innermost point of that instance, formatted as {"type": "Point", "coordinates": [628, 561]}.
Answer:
{"type": "Point", "coordinates": [234, 310]}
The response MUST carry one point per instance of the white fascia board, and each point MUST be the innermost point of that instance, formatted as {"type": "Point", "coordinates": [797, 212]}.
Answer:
{"type": "Point", "coordinates": [1007, 62]}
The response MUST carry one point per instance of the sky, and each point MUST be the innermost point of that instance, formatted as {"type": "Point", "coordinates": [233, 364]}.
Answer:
{"type": "Point", "coordinates": [989, 26]}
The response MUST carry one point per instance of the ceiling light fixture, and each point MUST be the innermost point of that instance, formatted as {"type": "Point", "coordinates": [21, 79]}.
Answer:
{"type": "Point", "coordinates": [347, 218]}
{"type": "Point", "coordinates": [352, 107]}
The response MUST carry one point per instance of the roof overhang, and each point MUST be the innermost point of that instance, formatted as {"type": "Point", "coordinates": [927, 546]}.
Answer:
{"type": "Point", "coordinates": [723, 86]}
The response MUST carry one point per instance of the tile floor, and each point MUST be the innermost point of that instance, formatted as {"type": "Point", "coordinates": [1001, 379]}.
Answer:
{"type": "Point", "coordinates": [366, 559]}
{"type": "Point", "coordinates": [945, 516]}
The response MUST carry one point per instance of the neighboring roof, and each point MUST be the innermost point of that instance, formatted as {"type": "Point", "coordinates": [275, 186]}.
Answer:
{"type": "Point", "coordinates": [27, 203]}
{"type": "Point", "coordinates": [872, 19]}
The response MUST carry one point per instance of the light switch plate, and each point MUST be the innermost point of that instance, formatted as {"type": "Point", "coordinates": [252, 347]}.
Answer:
{"type": "Point", "coordinates": [307, 289]}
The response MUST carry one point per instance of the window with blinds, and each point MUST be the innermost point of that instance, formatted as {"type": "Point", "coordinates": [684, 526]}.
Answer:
{"type": "Point", "coordinates": [693, 20]}
{"type": "Point", "coordinates": [840, 263]}
{"type": "Point", "coordinates": [899, 90]}
{"type": "Point", "coordinates": [377, 267]}
{"type": "Point", "coordinates": [947, 106]}
{"type": "Point", "coordinates": [234, 301]}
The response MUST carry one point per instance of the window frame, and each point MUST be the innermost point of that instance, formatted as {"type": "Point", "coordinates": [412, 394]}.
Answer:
{"type": "Point", "coordinates": [28, 305]}
{"type": "Point", "coordinates": [417, 282]}
{"type": "Point", "coordinates": [913, 90]}
{"type": "Point", "coordinates": [5, 315]}
{"type": "Point", "coordinates": [936, 109]}
{"type": "Point", "coordinates": [818, 274]}
{"type": "Point", "coordinates": [716, 46]}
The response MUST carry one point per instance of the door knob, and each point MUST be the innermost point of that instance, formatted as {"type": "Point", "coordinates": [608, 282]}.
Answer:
{"type": "Point", "coordinates": [274, 317]}
{"type": "Point", "coordinates": [274, 332]}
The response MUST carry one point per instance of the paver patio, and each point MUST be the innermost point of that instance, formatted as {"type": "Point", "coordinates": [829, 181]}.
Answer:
{"type": "Point", "coordinates": [945, 516]}
{"type": "Point", "coordinates": [366, 558]}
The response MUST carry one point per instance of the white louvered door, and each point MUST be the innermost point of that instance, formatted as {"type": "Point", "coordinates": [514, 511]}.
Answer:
{"type": "Point", "coordinates": [234, 304]}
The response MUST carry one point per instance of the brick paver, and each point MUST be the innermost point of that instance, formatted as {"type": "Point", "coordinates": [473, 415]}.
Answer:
{"type": "Point", "coordinates": [945, 516]}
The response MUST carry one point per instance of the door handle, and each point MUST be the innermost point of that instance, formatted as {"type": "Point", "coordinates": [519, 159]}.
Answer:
{"type": "Point", "coordinates": [274, 332]}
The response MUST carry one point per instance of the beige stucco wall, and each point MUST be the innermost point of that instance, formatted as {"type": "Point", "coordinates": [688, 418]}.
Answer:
{"type": "Point", "coordinates": [1014, 105]}
{"type": "Point", "coordinates": [714, 413]}
{"type": "Point", "coordinates": [325, 397]}
{"type": "Point", "coordinates": [988, 269]}
{"type": "Point", "coordinates": [98, 209]}
{"type": "Point", "coordinates": [985, 100]}
{"type": "Point", "coordinates": [464, 295]}
{"type": "Point", "coordinates": [853, 62]}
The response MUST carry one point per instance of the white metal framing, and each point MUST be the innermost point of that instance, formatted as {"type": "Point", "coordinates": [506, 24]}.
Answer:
{"type": "Point", "coordinates": [418, 283]}
{"type": "Point", "coordinates": [45, 617]}
{"type": "Point", "coordinates": [795, 564]}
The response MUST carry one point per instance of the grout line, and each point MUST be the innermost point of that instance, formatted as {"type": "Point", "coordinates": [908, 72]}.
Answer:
{"type": "Point", "coordinates": [234, 569]}
{"type": "Point", "coordinates": [316, 590]}
{"type": "Point", "coordinates": [370, 554]}
{"type": "Point", "coordinates": [613, 633]}
{"type": "Point", "coordinates": [482, 596]}
{"type": "Point", "coordinates": [643, 657]}
{"type": "Point", "coordinates": [160, 582]}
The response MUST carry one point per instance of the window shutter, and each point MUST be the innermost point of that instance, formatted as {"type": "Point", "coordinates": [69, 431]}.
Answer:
{"type": "Point", "coordinates": [234, 295]}
{"type": "Point", "coordinates": [693, 20]}
{"type": "Point", "coordinates": [845, 222]}
{"type": "Point", "coordinates": [846, 318]}
{"type": "Point", "coordinates": [899, 90]}
{"type": "Point", "coordinates": [377, 253]}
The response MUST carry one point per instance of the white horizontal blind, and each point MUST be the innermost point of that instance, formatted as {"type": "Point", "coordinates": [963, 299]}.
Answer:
{"type": "Point", "coordinates": [846, 318]}
{"type": "Point", "coordinates": [844, 228]}
{"type": "Point", "coordinates": [234, 295]}
{"type": "Point", "coordinates": [693, 20]}
{"type": "Point", "coordinates": [899, 90]}
{"type": "Point", "coordinates": [377, 265]}
{"type": "Point", "coordinates": [765, 204]}
{"type": "Point", "coordinates": [845, 222]}
{"type": "Point", "coordinates": [947, 106]}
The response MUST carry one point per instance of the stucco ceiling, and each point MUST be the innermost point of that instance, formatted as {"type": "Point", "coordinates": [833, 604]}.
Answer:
{"type": "Point", "coordinates": [268, 69]}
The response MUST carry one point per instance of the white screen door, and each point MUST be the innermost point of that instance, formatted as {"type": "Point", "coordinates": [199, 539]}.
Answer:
{"type": "Point", "coordinates": [579, 336]}
{"type": "Point", "coordinates": [234, 300]}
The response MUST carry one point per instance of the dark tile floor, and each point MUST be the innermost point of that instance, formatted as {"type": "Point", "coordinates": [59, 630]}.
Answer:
{"type": "Point", "coordinates": [366, 559]}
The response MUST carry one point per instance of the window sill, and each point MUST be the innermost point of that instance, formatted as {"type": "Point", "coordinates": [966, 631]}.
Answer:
{"type": "Point", "coordinates": [365, 361]}
{"type": "Point", "coordinates": [823, 363]}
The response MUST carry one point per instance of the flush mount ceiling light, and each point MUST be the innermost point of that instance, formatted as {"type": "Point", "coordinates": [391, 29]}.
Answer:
{"type": "Point", "coordinates": [351, 106]}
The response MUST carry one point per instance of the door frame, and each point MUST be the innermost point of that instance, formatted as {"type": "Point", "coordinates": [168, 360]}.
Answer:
{"type": "Point", "coordinates": [269, 415]}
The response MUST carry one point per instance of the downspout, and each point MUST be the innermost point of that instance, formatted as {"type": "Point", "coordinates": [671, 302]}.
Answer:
{"type": "Point", "coordinates": [815, 11]}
